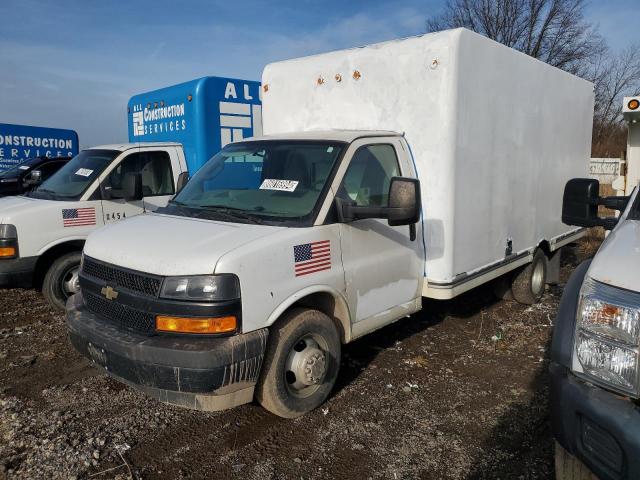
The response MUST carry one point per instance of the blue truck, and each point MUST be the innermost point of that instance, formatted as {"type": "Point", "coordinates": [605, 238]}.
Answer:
{"type": "Point", "coordinates": [19, 143]}
{"type": "Point", "coordinates": [203, 115]}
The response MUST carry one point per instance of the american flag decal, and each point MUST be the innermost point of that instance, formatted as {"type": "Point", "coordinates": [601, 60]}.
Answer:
{"type": "Point", "coordinates": [312, 257]}
{"type": "Point", "coordinates": [78, 217]}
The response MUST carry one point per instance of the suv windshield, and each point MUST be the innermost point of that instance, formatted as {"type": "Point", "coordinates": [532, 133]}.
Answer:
{"type": "Point", "coordinates": [257, 181]}
{"type": "Point", "coordinates": [71, 181]}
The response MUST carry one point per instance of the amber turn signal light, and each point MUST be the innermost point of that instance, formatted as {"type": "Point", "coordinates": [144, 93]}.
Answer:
{"type": "Point", "coordinates": [195, 325]}
{"type": "Point", "coordinates": [7, 251]}
{"type": "Point", "coordinates": [633, 104]}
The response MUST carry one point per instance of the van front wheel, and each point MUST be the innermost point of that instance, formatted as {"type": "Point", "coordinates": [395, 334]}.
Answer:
{"type": "Point", "coordinates": [301, 363]}
{"type": "Point", "coordinates": [61, 280]}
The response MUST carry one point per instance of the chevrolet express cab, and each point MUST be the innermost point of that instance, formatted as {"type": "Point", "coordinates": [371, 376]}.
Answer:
{"type": "Point", "coordinates": [43, 232]}
{"type": "Point", "coordinates": [414, 168]}
{"type": "Point", "coordinates": [595, 373]}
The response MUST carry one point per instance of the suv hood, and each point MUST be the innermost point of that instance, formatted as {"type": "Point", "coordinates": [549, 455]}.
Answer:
{"type": "Point", "coordinates": [618, 261]}
{"type": "Point", "coordinates": [169, 245]}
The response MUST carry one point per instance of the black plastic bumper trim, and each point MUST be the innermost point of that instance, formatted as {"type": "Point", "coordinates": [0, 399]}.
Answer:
{"type": "Point", "coordinates": [579, 409]}
{"type": "Point", "coordinates": [17, 272]}
{"type": "Point", "coordinates": [175, 363]}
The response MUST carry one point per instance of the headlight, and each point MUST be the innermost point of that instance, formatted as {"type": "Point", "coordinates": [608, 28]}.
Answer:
{"type": "Point", "coordinates": [607, 337]}
{"type": "Point", "coordinates": [202, 288]}
{"type": "Point", "coordinates": [8, 241]}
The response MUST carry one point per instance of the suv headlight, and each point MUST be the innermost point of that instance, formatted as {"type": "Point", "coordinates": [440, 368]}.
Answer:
{"type": "Point", "coordinates": [607, 337]}
{"type": "Point", "coordinates": [202, 288]}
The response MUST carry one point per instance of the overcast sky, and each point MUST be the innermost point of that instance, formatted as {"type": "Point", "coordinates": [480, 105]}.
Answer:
{"type": "Point", "coordinates": [75, 63]}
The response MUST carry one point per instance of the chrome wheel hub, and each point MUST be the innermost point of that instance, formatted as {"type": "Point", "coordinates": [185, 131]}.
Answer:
{"type": "Point", "coordinates": [71, 282]}
{"type": "Point", "coordinates": [306, 366]}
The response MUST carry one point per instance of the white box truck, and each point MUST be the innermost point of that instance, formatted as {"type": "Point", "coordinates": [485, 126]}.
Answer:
{"type": "Point", "coordinates": [411, 168]}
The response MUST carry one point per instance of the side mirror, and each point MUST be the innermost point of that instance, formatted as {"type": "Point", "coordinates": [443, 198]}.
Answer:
{"type": "Point", "coordinates": [580, 204]}
{"type": "Point", "coordinates": [183, 178]}
{"type": "Point", "coordinates": [403, 208]}
{"type": "Point", "coordinates": [404, 201]}
{"type": "Point", "coordinates": [33, 179]}
{"type": "Point", "coordinates": [132, 186]}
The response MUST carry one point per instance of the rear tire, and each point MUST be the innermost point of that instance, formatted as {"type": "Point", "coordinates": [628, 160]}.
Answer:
{"type": "Point", "coordinates": [301, 364]}
{"type": "Point", "coordinates": [502, 287]}
{"type": "Point", "coordinates": [529, 283]}
{"type": "Point", "coordinates": [569, 467]}
{"type": "Point", "coordinates": [61, 280]}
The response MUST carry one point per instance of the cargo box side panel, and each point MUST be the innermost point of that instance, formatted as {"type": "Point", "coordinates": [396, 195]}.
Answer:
{"type": "Point", "coordinates": [523, 129]}
{"type": "Point", "coordinates": [406, 86]}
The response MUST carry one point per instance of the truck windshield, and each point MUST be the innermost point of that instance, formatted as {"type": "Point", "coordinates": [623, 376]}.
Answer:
{"type": "Point", "coordinates": [72, 180]}
{"type": "Point", "coordinates": [267, 180]}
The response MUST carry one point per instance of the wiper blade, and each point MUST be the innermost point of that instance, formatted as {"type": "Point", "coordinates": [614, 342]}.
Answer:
{"type": "Point", "coordinates": [232, 212]}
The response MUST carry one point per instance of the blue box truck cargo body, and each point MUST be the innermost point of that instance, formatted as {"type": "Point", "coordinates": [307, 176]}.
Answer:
{"type": "Point", "coordinates": [21, 142]}
{"type": "Point", "coordinates": [203, 115]}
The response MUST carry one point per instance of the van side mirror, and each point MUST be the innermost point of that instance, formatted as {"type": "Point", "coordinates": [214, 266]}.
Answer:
{"type": "Point", "coordinates": [404, 201]}
{"type": "Point", "coordinates": [580, 204]}
{"type": "Point", "coordinates": [403, 208]}
{"type": "Point", "coordinates": [132, 186]}
{"type": "Point", "coordinates": [183, 178]}
{"type": "Point", "coordinates": [33, 179]}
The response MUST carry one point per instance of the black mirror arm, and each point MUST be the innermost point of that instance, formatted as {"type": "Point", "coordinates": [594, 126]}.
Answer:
{"type": "Point", "coordinates": [614, 203]}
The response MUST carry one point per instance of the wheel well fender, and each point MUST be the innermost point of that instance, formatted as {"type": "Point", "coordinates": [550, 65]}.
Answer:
{"type": "Point", "coordinates": [49, 256]}
{"type": "Point", "coordinates": [324, 299]}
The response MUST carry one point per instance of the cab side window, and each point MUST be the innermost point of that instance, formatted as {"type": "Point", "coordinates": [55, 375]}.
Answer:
{"type": "Point", "coordinates": [368, 177]}
{"type": "Point", "coordinates": [155, 167]}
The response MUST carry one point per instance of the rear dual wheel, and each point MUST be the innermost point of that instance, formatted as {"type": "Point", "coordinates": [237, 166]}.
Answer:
{"type": "Point", "coordinates": [527, 284]}
{"type": "Point", "coordinates": [301, 363]}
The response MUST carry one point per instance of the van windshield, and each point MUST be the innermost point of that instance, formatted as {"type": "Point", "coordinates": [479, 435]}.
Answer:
{"type": "Point", "coordinates": [267, 180]}
{"type": "Point", "coordinates": [72, 180]}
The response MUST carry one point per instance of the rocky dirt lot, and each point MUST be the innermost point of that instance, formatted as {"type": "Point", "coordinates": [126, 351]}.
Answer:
{"type": "Point", "coordinates": [458, 391]}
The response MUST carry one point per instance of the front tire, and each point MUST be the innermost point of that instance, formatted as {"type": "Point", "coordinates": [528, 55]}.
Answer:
{"type": "Point", "coordinates": [529, 283]}
{"type": "Point", "coordinates": [61, 280]}
{"type": "Point", "coordinates": [569, 467]}
{"type": "Point", "coordinates": [301, 364]}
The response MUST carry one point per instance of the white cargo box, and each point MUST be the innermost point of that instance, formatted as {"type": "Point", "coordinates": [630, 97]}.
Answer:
{"type": "Point", "coordinates": [495, 135]}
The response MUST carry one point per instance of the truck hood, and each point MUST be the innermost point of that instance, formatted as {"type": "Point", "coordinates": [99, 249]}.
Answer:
{"type": "Point", "coordinates": [16, 207]}
{"type": "Point", "coordinates": [170, 245]}
{"type": "Point", "coordinates": [618, 261]}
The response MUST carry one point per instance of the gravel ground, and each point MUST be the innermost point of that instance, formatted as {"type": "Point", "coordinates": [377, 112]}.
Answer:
{"type": "Point", "coordinates": [457, 391]}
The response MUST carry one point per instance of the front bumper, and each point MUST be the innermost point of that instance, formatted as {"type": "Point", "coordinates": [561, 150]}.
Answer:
{"type": "Point", "coordinates": [17, 272]}
{"type": "Point", "coordinates": [203, 373]}
{"type": "Point", "coordinates": [600, 428]}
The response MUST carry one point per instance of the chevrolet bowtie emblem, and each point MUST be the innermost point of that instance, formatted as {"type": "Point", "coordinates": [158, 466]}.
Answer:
{"type": "Point", "coordinates": [109, 293]}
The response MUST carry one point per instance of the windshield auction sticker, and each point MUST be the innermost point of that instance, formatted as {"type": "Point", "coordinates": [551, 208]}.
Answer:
{"type": "Point", "coordinates": [85, 172]}
{"type": "Point", "coordinates": [281, 185]}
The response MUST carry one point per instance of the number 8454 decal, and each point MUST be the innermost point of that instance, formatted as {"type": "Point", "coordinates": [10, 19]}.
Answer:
{"type": "Point", "coordinates": [115, 216]}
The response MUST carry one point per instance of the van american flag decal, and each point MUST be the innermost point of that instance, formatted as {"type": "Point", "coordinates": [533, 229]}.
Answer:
{"type": "Point", "coordinates": [78, 217]}
{"type": "Point", "coordinates": [312, 257]}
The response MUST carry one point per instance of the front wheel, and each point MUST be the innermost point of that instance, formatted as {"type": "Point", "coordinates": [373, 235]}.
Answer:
{"type": "Point", "coordinates": [301, 363]}
{"type": "Point", "coordinates": [61, 280]}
